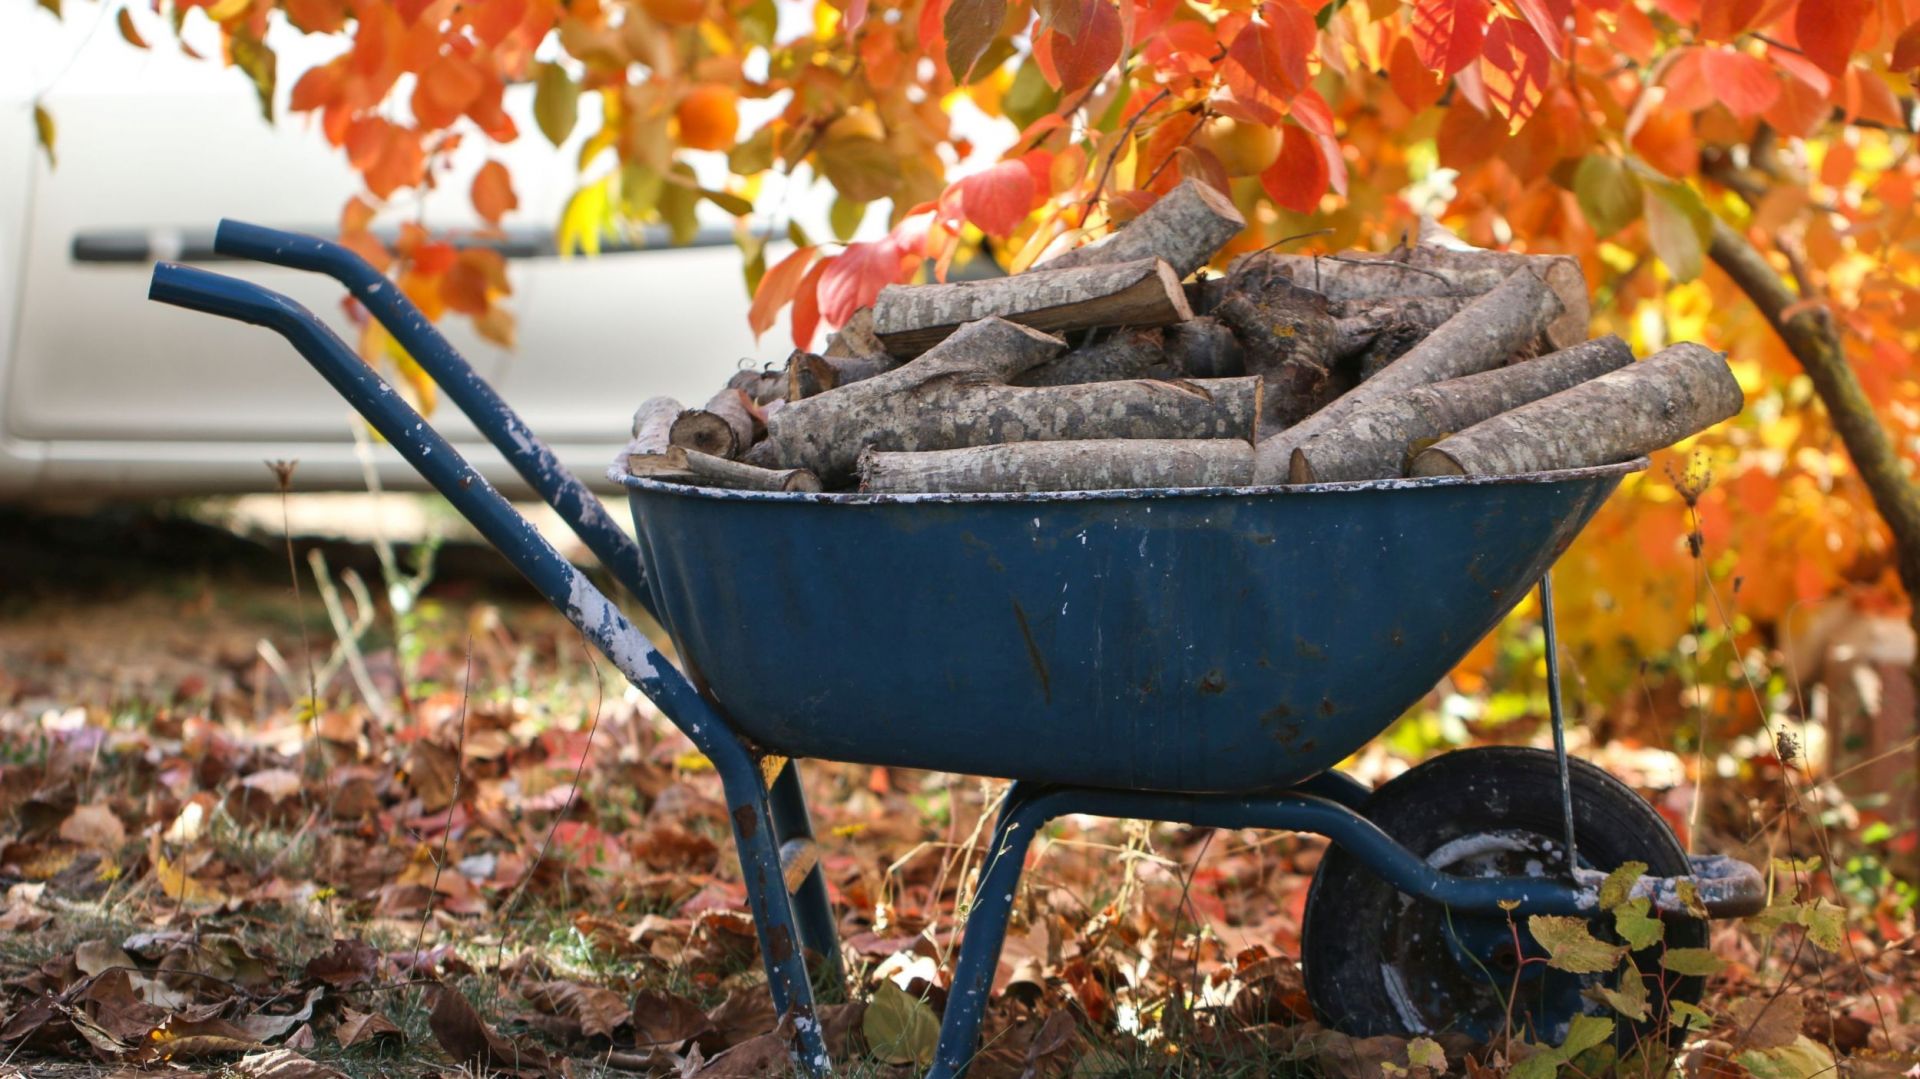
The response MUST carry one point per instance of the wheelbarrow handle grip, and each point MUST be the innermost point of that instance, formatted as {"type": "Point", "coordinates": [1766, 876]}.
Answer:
{"type": "Point", "coordinates": [528, 455]}
{"type": "Point", "coordinates": [435, 459]}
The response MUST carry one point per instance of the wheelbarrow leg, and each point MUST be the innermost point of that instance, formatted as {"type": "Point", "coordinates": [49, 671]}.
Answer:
{"type": "Point", "coordinates": [569, 591]}
{"type": "Point", "coordinates": [813, 912]}
{"type": "Point", "coordinates": [1020, 817]}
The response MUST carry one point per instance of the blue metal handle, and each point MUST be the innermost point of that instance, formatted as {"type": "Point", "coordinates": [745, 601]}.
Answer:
{"type": "Point", "coordinates": [529, 456]}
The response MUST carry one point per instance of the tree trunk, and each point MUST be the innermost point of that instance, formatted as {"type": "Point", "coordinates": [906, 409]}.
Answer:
{"type": "Point", "coordinates": [1185, 228]}
{"type": "Point", "coordinates": [909, 319]}
{"type": "Point", "coordinates": [1373, 443]}
{"type": "Point", "coordinates": [1101, 465]}
{"type": "Point", "coordinates": [1485, 334]}
{"type": "Point", "coordinates": [1679, 391]}
{"type": "Point", "coordinates": [957, 395]}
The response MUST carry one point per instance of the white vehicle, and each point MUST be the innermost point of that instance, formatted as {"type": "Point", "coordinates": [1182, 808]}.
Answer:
{"type": "Point", "coordinates": [103, 393]}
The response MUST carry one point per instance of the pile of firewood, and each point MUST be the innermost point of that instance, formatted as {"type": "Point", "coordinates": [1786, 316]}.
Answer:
{"type": "Point", "coordinates": [1104, 368]}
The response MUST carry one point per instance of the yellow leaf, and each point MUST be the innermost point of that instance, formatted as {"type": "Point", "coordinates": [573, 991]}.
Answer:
{"type": "Point", "coordinates": [587, 217]}
{"type": "Point", "coordinates": [129, 31]}
{"type": "Point", "coordinates": [43, 128]}
{"type": "Point", "coordinates": [222, 10]}
{"type": "Point", "coordinates": [900, 1028]}
{"type": "Point", "coordinates": [181, 888]}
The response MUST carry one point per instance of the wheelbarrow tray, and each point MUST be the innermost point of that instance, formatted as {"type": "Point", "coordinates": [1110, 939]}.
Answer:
{"type": "Point", "coordinates": [1204, 640]}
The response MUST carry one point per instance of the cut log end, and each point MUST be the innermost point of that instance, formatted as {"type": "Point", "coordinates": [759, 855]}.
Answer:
{"type": "Point", "coordinates": [704, 432]}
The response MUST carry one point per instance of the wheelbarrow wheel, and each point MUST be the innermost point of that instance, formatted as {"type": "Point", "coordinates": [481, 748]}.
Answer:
{"type": "Point", "coordinates": [1380, 962]}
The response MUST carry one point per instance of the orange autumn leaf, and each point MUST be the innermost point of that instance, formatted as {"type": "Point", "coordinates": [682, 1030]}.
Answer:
{"type": "Point", "coordinates": [777, 288]}
{"type": "Point", "coordinates": [492, 192]}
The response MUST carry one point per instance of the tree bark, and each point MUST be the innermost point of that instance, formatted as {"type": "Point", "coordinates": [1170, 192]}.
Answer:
{"type": "Point", "coordinates": [1374, 333]}
{"type": "Point", "coordinates": [1287, 337]}
{"type": "Point", "coordinates": [1097, 465]}
{"type": "Point", "coordinates": [1203, 347]}
{"type": "Point", "coordinates": [1484, 335]}
{"type": "Point", "coordinates": [1185, 228]}
{"type": "Point", "coordinates": [957, 395]}
{"type": "Point", "coordinates": [1126, 354]}
{"type": "Point", "coordinates": [724, 428]}
{"type": "Point", "coordinates": [1428, 270]}
{"type": "Point", "coordinates": [855, 340]}
{"type": "Point", "coordinates": [1373, 443]}
{"type": "Point", "coordinates": [909, 319]}
{"type": "Point", "coordinates": [712, 471]}
{"type": "Point", "coordinates": [1679, 391]}
{"type": "Point", "coordinates": [652, 450]}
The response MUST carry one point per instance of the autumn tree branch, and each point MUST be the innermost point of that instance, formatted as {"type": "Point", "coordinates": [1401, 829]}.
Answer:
{"type": "Point", "coordinates": [1814, 339]}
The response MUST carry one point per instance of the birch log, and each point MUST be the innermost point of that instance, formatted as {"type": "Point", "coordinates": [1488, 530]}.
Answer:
{"type": "Point", "coordinates": [1484, 335]}
{"type": "Point", "coordinates": [1372, 443]}
{"type": "Point", "coordinates": [909, 319]}
{"type": "Point", "coordinates": [652, 450]}
{"type": "Point", "coordinates": [1097, 465]}
{"type": "Point", "coordinates": [957, 395]}
{"type": "Point", "coordinates": [1642, 407]}
{"type": "Point", "coordinates": [1428, 270]}
{"type": "Point", "coordinates": [1125, 354]}
{"type": "Point", "coordinates": [1185, 228]}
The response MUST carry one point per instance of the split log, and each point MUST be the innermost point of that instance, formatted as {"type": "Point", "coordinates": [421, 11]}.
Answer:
{"type": "Point", "coordinates": [724, 428]}
{"type": "Point", "coordinates": [855, 340]}
{"type": "Point", "coordinates": [1202, 347]}
{"type": "Point", "coordinates": [909, 319]}
{"type": "Point", "coordinates": [1373, 443]}
{"type": "Point", "coordinates": [1482, 336]}
{"type": "Point", "coordinates": [1125, 354]}
{"type": "Point", "coordinates": [957, 394]}
{"type": "Point", "coordinates": [1679, 391]}
{"type": "Point", "coordinates": [1185, 228]}
{"type": "Point", "coordinates": [720, 472]}
{"type": "Point", "coordinates": [1287, 337]}
{"type": "Point", "coordinates": [1430, 270]}
{"type": "Point", "coordinates": [1098, 465]}
{"type": "Point", "coordinates": [652, 450]}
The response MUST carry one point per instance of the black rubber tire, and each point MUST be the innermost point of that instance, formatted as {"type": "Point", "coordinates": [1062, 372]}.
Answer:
{"type": "Point", "coordinates": [1357, 927]}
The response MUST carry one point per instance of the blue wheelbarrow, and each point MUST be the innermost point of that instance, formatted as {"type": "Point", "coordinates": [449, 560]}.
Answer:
{"type": "Point", "coordinates": [1202, 656]}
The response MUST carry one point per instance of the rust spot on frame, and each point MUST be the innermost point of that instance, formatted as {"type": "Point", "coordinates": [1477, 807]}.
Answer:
{"type": "Point", "coordinates": [779, 943]}
{"type": "Point", "coordinates": [1033, 654]}
{"type": "Point", "coordinates": [1213, 682]}
{"type": "Point", "coordinates": [746, 821]}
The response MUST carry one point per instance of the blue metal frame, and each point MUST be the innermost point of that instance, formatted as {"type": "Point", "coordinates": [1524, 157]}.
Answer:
{"type": "Point", "coordinates": [582, 511]}
{"type": "Point", "coordinates": [1327, 804]}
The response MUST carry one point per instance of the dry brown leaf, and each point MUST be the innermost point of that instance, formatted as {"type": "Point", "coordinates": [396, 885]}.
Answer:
{"type": "Point", "coordinates": [356, 1027]}
{"type": "Point", "coordinates": [283, 1064]}
{"type": "Point", "coordinates": [1767, 1022]}
{"type": "Point", "coordinates": [94, 826]}
{"type": "Point", "coordinates": [347, 964]}
{"type": "Point", "coordinates": [755, 1058]}
{"type": "Point", "coordinates": [470, 1041]}
{"type": "Point", "coordinates": [593, 1011]}
{"type": "Point", "coordinates": [432, 772]}
{"type": "Point", "coordinates": [663, 1019]}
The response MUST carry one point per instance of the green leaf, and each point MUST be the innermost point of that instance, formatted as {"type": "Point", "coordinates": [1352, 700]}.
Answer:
{"type": "Point", "coordinates": [1635, 926]}
{"type": "Point", "coordinates": [1630, 998]}
{"type": "Point", "coordinates": [1826, 924]}
{"type": "Point", "coordinates": [860, 168]}
{"type": "Point", "coordinates": [1688, 1016]}
{"type": "Point", "coordinates": [845, 217]}
{"type": "Point", "coordinates": [1542, 1065]}
{"type": "Point", "coordinates": [1678, 223]}
{"type": "Point", "coordinates": [1029, 97]}
{"type": "Point", "coordinates": [1618, 886]}
{"type": "Point", "coordinates": [1778, 913]}
{"type": "Point", "coordinates": [1804, 1059]}
{"type": "Point", "coordinates": [43, 130]}
{"type": "Point", "coordinates": [1690, 897]}
{"type": "Point", "coordinates": [754, 154]}
{"type": "Point", "coordinates": [1426, 1053]}
{"type": "Point", "coordinates": [797, 235]}
{"type": "Point", "coordinates": [1696, 962]}
{"type": "Point", "coordinates": [759, 21]}
{"type": "Point", "coordinates": [728, 201]}
{"type": "Point", "coordinates": [1571, 947]}
{"type": "Point", "coordinates": [900, 1028]}
{"type": "Point", "coordinates": [679, 198]}
{"type": "Point", "coordinates": [1609, 195]}
{"type": "Point", "coordinates": [1586, 1032]}
{"type": "Point", "coordinates": [640, 189]}
{"type": "Point", "coordinates": [252, 56]}
{"type": "Point", "coordinates": [556, 102]}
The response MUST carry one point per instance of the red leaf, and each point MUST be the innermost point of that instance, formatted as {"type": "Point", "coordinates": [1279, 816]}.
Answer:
{"type": "Point", "coordinates": [1724, 20]}
{"type": "Point", "coordinates": [1313, 112]}
{"type": "Point", "coordinates": [1447, 33]}
{"type": "Point", "coordinates": [1548, 19]}
{"type": "Point", "coordinates": [1745, 84]}
{"type": "Point", "coordinates": [1267, 63]}
{"type": "Point", "coordinates": [1906, 48]}
{"type": "Point", "coordinates": [806, 306]}
{"type": "Point", "coordinates": [1074, 63]}
{"type": "Point", "coordinates": [1827, 30]}
{"type": "Point", "coordinates": [1298, 177]}
{"type": "Point", "coordinates": [777, 287]}
{"type": "Point", "coordinates": [998, 199]}
{"type": "Point", "coordinates": [492, 192]}
{"type": "Point", "coordinates": [854, 278]}
{"type": "Point", "coordinates": [1518, 67]}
